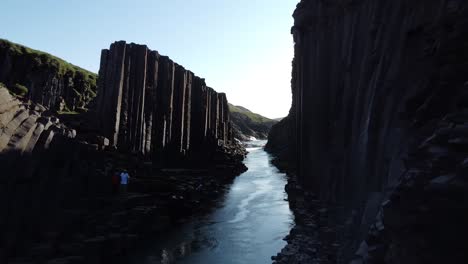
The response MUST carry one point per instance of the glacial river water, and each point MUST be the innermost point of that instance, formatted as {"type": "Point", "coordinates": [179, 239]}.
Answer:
{"type": "Point", "coordinates": [247, 226]}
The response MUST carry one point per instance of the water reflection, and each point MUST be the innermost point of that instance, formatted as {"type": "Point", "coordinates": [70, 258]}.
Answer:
{"type": "Point", "coordinates": [248, 226]}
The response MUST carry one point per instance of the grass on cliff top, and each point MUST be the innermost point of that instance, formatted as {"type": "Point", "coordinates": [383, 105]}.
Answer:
{"type": "Point", "coordinates": [16, 90]}
{"type": "Point", "coordinates": [46, 59]}
{"type": "Point", "coordinates": [253, 116]}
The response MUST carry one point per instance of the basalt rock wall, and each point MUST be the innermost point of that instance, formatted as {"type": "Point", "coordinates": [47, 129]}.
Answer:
{"type": "Point", "coordinates": [150, 105]}
{"type": "Point", "coordinates": [55, 183]}
{"type": "Point", "coordinates": [51, 180]}
{"type": "Point", "coordinates": [371, 81]}
{"type": "Point", "coordinates": [32, 164]}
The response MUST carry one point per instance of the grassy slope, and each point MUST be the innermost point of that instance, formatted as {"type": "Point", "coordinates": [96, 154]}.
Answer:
{"type": "Point", "coordinates": [47, 59]}
{"type": "Point", "coordinates": [40, 58]}
{"type": "Point", "coordinates": [256, 118]}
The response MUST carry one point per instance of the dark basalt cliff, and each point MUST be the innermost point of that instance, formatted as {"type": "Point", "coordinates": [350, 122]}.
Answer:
{"type": "Point", "coordinates": [281, 142]}
{"type": "Point", "coordinates": [47, 80]}
{"type": "Point", "coordinates": [380, 124]}
{"type": "Point", "coordinates": [150, 105]}
{"type": "Point", "coordinates": [32, 165]}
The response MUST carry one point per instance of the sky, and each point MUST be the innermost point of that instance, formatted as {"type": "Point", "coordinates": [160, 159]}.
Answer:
{"type": "Point", "coordinates": [243, 47]}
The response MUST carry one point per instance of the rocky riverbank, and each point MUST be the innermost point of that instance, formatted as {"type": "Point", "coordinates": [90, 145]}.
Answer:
{"type": "Point", "coordinates": [427, 202]}
{"type": "Point", "coordinates": [105, 228]}
{"type": "Point", "coordinates": [313, 237]}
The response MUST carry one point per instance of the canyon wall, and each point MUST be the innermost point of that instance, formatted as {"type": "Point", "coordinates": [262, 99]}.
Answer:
{"type": "Point", "coordinates": [45, 79]}
{"type": "Point", "coordinates": [53, 184]}
{"type": "Point", "coordinates": [150, 105]}
{"type": "Point", "coordinates": [151, 114]}
{"type": "Point", "coordinates": [32, 165]}
{"type": "Point", "coordinates": [372, 80]}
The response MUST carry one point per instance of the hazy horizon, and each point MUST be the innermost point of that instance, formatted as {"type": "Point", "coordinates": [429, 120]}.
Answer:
{"type": "Point", "coordinates": [243, 49]}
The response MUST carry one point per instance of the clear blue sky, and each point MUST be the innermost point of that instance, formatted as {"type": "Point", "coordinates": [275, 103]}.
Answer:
{"type": "Point", "coordinates": [241, 47]}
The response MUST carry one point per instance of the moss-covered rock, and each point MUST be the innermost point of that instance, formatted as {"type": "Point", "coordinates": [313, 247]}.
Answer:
{"type": "Point", "coordinates": [44, 78]}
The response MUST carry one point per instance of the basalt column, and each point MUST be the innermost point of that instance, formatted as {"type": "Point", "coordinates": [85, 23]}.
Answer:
{"type": "Point", "coordinates": [164, 103]}
{"type": "Point", "coordinates": [214, 115]}
{"type": "Point", "coordinates": [223, 118]}
{"type": "Point", "coordinates": [207, 115]}
{"type": "Point", "coordinates": [150, 105]}
{"type": "Point", "coordinates": [179, 109]}
{"type": "Point", "coordinates": [133, 99]}
{"type": "Point", "coordinates": [110, 90]}
{"type": "Point", "coordinates": [188, 112]}
{"type": "Point", "coordinates": [151, 101]}
{"type": "Point", "coordinates": [198, 113]}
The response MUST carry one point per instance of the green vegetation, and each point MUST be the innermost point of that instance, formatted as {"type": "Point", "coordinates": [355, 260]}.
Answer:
{"type": "Point", "coordinates": [84, 80]}
{"type": "Point", "coordinates": [19, 90]}
{"type": "Point", "coordinates": [16, 90]}
{"type": "Point", "coordinates": [45, 59]}
{"type": "Point", "coordinates": [256, 118]}
{"type": "Point", "coordinates": [68, 112]}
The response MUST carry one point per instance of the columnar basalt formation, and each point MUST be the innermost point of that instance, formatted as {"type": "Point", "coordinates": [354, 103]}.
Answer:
{"type": "Point", "coordinates": [55, 191]}
{"type": "Point", "coordinates": [150, 105]}
{"type": "Point", "coordinates": [46, 80]}
{"type": "Point", "coordinates": [371, 81]}
{"type": "Point", "coordinates": [61, 179]}
{"type": "Point", "coordinates": [29, 140]}
{"type": "Point", "coordinates": [25, 128]}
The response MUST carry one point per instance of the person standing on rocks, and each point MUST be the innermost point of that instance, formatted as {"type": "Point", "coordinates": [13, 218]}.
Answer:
{"type": "Point", "coordinates": [124, 177]}
{"type": "Point", "coordinates": [115, 180]}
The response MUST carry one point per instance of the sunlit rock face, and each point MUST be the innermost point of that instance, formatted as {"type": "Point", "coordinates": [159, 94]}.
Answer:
{"type": "Point", "coordinates": [148, 104]}
{"type": "Point", "coordinates": [371, 81]}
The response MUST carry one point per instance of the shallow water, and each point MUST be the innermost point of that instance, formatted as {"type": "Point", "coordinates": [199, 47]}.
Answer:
{"type": "Point", "coordinates": [247, 226]}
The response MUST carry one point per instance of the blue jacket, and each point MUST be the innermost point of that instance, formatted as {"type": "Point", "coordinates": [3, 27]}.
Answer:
{"type": "Point", "coordinates": [124, 178]}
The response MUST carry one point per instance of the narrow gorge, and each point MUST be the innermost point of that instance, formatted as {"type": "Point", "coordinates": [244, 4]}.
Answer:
{"type": "Point", "coordinates": [140, 161]}
{"type": "Point", "coordinates": [152, 118]}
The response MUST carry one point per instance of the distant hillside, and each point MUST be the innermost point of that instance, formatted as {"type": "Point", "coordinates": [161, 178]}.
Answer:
{"type": "Point", "coordinates": [248, 124]}
{"type": "Point", "coordinates": [44, 78]}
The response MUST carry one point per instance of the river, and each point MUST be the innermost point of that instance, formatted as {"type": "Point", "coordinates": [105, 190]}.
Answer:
{"type": "Point", "coordinates": [247, 226]}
